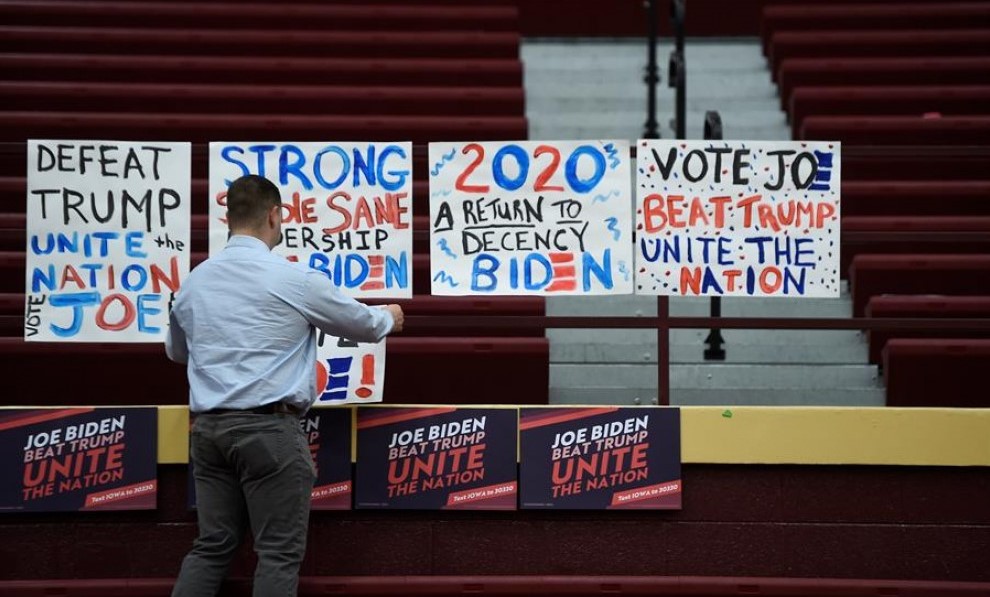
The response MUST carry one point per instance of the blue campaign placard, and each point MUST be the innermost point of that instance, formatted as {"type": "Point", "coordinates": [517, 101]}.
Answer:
{"type": "Point", "coordinates": [591, 458]}
{"type": "Point", "coordinates": [436, 458]}
{"type": "Point", "coordinates": [71, 459]}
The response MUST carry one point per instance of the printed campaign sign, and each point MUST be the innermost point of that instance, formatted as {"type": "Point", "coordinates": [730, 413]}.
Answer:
{"type": "Point", "coordinates": [738, 218]}
{"type": "Point", "coordinates": [328, 433]}
{"type": "Point", "coordinates": [346, 208]}
{"type": "Point", "coordinates": [78, 459]}
{"type": "Point", "coordinates": [530, 218]}
{"type": "Point", "coordinates": [107, 239]}
{"type": "Point", "coordinates": [600, 458]}
{"type": "Point", "coordinates": [436, 458]}
{"type": "Point", "coordinates": [349, 372]}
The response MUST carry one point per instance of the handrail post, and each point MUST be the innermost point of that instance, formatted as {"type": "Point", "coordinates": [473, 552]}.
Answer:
{"type": "Point", "coordinates": [715, 350]}
{"type": "Point", "coordinates": [652, 78]}
{"type": "Point", "coordinates": [678, 78]}
{"type": "Point", "coordinates": [678, 70]}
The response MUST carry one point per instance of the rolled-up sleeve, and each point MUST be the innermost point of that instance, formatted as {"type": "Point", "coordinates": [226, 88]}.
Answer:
{"type": "Point", "coordinates": [339, 315]}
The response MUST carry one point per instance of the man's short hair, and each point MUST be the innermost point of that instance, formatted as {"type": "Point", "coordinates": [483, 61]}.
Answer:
{"type": "Point", "coordinates": [249, 199]}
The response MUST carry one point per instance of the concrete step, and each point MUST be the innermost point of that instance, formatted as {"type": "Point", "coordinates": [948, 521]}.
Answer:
{"type": "Point", "coordinates": [712, 376]}
{"type": "Point", "coordinates": [634, 130]}
{"type": "Point", "coordinates": [735, 352]}
{"type": "Point", "coordinates": [728, 397]}
{"type": "Point", "coordinates": [701, 55]}
{"type": "Point", "coordinates": [764, 118]}
{"type": "Point", "coordinates": [819, 338]}
{"type": "Point", "coordinates": [688, 346]}
{"type": "Point", "coordinates": [639, 305]}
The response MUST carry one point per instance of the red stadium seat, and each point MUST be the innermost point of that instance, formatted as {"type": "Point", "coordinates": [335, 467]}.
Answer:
{"type": "Point", "coordinates": [222, 15]}
{"type": "Point", "coordinates": [17, 126]}
{"type": "Point", "coordinates": [915, 163]}
{"type": "Point", "coordinates": [253, 99]}
{"type": "Point", "coordinates": [858, 101]}
{"type": "Point", "coordinates": [937, 372]}
{"type": "Point", "coordinates": [916, 198]}
{"type": "Point", "coordinates": [290, 70]}
{"type": "Point", "coordinates": [874, 275]}
{"type": "Point", "coordinates": [977, 307]}
{"type": "Point", "coordinates": [912, 234]}
{"type": "Point", "coordinates": [897, 130]}
{"type": "Point", "coordinates": [264, 42]}
{"type": "Point", "coordinates": [876, 44]}
{"type": "Point", "coordinates": [860, 72]}
{"type": "Point", "coordinates": [420, 370]}
{"type": "Point", "coordinates": [891, 16]}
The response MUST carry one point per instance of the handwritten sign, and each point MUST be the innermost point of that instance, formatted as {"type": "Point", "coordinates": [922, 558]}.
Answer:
{"type": "Point", "coordinates": [436, 458]}
{"type": "Point", "coordinates": [78, 459]}
{"type": "Point", "coordinates": [346, 208]}
{"type": "Point", "coordinates": [597, 458]}
{"type": "Point", "coordinates": [107, 239]}
{"type": "Point", "coordinates": [738, 218]}
{"type": "Point", "coordinates": [349, 372]}
{"type": "Point", "coordinates": [530, 218]}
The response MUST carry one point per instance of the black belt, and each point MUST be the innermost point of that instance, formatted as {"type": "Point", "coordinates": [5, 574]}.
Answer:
{"type": "Point", "coordinates": [265, 409]}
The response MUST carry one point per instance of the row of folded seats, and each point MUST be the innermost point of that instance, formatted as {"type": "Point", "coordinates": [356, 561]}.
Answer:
{"type": "Point", "coordinates": [303, 71]}
{"type": "Point", "coordinates": [905, 87]}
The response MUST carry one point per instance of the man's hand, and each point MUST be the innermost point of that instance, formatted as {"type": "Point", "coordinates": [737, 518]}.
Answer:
{"type": "Point", "coordinates": [397, 316]}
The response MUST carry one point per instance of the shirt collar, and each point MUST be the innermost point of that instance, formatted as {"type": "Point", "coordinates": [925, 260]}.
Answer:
{"type": "Point", "coordinates": [248, 242]}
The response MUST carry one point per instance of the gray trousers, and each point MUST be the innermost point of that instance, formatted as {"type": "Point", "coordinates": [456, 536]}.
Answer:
{"type": "Point", "coordinates": [252, 471]}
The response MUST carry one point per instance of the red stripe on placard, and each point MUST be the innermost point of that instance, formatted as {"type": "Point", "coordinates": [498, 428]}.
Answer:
{"type": "Point", "coordinates": [41, 417]}
{"type": "Point", "coordinates": [650, 492]}
{"type": "Point", "coordinates": [405, 415]}
{"type": "Point", "coordinates": [333, 490]}
{"type": "Point", "coordinates": [574, 415]}
{"type": "Point", "coordinates": [128, 492]}
{"type": "Point", "coordinates": [489, 492]}
{"type": "Point", "coordinates": [561, 257]}
{"type": "Point", "coordinates": [562, 285]}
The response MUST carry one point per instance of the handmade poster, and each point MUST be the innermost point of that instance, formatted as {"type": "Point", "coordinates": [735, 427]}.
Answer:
{"type": "Point", "coordinates": [349, 372]}
{"type": "Point", "coordinates": [738, 218]}
{"type": "Point", "coordinates": [347, 212]}
{"type": "Point", "coordinates": [73, 459]}
{"type": "Point", "coordinates": [530, 218]}
{"type": "Point", "coordinates": [346, 208]}
{"type": "Point", "coordinates": [436, 458]}
{"type": "Point", "coordinates": [589, 458]}
{"type": "Point", "coordinates": [328, 434]}
{"type": "Point", "coordinates": [107, 239]}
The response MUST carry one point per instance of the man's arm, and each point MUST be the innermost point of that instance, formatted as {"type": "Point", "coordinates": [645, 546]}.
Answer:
{"type": "Point", "coordinates": [339, 315]}
{"type": "Point", "coordinates": [175, 341]}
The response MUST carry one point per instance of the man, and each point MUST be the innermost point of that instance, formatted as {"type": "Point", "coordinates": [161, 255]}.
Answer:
{"type": "Point", "coordinates": [245, 323]}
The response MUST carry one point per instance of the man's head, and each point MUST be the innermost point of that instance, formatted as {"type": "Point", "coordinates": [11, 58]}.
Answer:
{"type": "Point", "coordinates": [254, 208]}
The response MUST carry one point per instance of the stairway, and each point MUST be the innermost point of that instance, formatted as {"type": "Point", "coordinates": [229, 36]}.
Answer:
{"type": "Point", "coordinates": [595, 90]}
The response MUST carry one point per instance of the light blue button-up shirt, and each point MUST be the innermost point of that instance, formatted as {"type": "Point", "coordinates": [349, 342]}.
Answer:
{"type": "Point", "coordinates": [245, 324]}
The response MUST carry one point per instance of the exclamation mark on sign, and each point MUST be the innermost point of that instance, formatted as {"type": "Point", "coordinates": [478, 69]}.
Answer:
{"type": "Point", "coordinates": [367, 376]}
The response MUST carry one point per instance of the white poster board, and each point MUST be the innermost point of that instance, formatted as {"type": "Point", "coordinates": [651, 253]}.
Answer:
{"type": "Point", "coordinates": [738, 218]}
{"type": "Point", "coordinates": [346, 211]}
{"type": "Point", "coordinates": [530, 218]}
{"type": "Point", "coordinates": [107, 239]}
